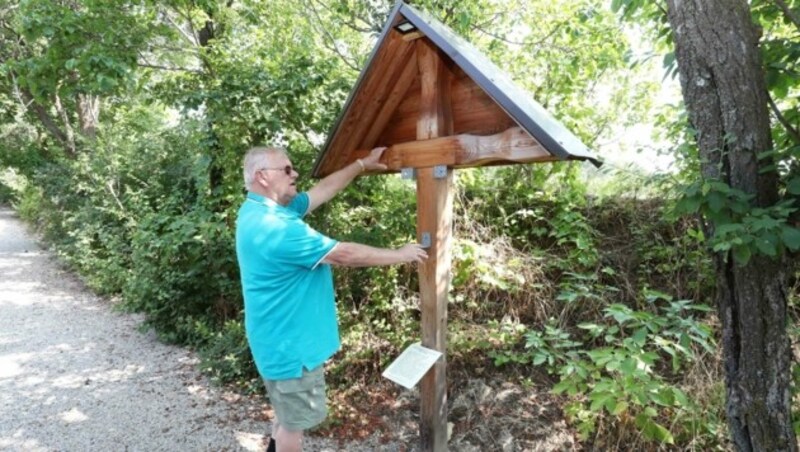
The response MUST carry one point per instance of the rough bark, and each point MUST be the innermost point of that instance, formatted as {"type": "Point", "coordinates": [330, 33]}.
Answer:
{"type": "Point", "coordinates": [723, 86]}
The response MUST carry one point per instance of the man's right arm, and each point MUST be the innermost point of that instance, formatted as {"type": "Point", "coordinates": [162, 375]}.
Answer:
{"type": "Point", "coordinates": [348, 254]}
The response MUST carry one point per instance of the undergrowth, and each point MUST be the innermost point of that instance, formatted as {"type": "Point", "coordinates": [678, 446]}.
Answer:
{"type": "Point", "coordinates": [607, 297]}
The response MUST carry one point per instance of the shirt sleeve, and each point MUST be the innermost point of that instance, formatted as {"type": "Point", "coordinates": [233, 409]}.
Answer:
{"type": "Point", "coordinates": [301, 245]}
{"type": "Point", "coordinates": [300, 204]}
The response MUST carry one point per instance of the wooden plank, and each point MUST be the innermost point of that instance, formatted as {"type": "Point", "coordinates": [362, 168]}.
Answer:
{"type": "Point", "coordinates": [371, 97]}
{"type": "Point", "coordinates": [383, 71]}
{"type": "Point", "coordinates": [473, 112]}
{"type": "Point", "coordinates": [434, 216]}
{"type": "Point", "coordinates": [465, 151]}
{"type": "Point", "coordinates": [396, 96]}
{"type": "Point", "coordinates": [476, 113]}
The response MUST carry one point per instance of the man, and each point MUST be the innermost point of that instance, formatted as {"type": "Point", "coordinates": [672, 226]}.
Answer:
{"type": "Point", "coordinates": [290, 315]}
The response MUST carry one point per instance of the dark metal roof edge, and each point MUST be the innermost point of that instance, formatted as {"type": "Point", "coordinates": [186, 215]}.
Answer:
{"type": "Point", "coordinates": [422, 21]}
{"type": "Point", "coordinates": [351, 97]}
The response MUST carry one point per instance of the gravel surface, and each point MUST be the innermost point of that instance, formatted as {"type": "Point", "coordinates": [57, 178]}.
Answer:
{"type": "Point", "coordinates": [76, 375]}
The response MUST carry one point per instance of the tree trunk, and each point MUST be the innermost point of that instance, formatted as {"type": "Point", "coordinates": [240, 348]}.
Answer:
{"type": "Point", "coordinates": [88, 114]}
{"type": "Point", "coordinates": [28, 102]}
{"type": "Point", "coordinates": [716, 46]}
{"type": "Point", "coordinates": [65, 121]}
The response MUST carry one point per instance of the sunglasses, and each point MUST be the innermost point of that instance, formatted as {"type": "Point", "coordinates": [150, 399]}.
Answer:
{"type": "Point", "coordinates": [286, 169]}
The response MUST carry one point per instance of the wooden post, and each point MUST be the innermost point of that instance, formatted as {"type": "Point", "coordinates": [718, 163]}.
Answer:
{"type": "Point", "coordinates": [434, 216]}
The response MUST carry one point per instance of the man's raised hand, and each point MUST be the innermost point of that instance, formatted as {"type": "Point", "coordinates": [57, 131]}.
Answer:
{"type": "Point", "coordinates": [372, 161]}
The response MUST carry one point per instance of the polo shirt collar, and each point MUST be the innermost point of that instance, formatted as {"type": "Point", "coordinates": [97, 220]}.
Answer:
{"type": "Point", "coordinates": [269, 203]}
{"type": "Point", "coordinates": [261, 199]}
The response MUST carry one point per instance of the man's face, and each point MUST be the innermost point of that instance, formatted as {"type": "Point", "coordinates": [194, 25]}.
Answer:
{"type": "Point", "coordinates": [280, 178]}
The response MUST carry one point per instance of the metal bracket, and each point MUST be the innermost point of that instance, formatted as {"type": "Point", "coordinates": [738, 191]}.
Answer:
{"type": "Point", "coordinates": [408, 173]}
{"type": "Point", "coordinates": [439, 171]}
{"type": "Point", "coordinates": [426, 240]}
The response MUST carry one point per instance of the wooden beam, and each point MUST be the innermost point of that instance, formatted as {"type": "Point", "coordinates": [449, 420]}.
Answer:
{"type": "Point", "coordinates": [434, 217]}
{"type": "Point", "coordinates": [465, 151]}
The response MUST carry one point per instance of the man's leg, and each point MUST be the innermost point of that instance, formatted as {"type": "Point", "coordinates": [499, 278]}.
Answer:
{"type": "Point", "coordinates": [299, 404]}
{"type": "Point", "coordinates": [287, 440]}
{"type": "Point", "coordinates": [271, 447]}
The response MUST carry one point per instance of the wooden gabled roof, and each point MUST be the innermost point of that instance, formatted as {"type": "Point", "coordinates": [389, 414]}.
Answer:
{"type": "Point", "coordinates": [486, 108]}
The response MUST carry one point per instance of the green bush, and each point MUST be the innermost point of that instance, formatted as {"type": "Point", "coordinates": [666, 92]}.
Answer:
{"type": "Point", "coordinates": [227, 359]}
{"type": "Point", "coordinates": [183, 271]}
{"type": "Point", "coordinates": [622, 369]}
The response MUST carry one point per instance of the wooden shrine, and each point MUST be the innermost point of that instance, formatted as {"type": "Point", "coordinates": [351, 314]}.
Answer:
{"type": "Point", "coordinates": [439, 104]}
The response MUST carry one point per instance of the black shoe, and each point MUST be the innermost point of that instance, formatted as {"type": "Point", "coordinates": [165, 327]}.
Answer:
{"type": "Point", "coordinates": [271, 447]}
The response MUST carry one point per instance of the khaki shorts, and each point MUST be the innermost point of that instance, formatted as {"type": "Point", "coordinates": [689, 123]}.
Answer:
{"type": "Point", "coordinates": [299, 403]}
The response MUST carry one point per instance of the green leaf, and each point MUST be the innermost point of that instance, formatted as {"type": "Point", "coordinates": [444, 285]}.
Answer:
{"type": "Point", "coordinates": [767, 245]}
{"type": "Point", "coordinates": [600, 400]}
{"type": "Point", "coordinates": [664, 397]}
{"type": "Point", "coordinates": [680, 398]}
{"type": "Point", "coordinates": [620, 408]}
{"type": "Point", "coordinates": [564, 386]}
{"type": "Point", "coordinates": [628, 366]}
{"type": "Point", "coordinates": [716, 201]}
{"type": "Point", "coordinates": [653, 430]}
{"type": "Point", "coordinates": [640, 336]}
{"type": "Point", "coordinates": [790, 237]}
{"type": "Point", "coordinates": [688, 205]}
{"type": "Point", "coordinates": [742, 254]}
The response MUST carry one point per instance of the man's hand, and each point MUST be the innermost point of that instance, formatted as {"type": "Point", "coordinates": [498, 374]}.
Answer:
{"type": "Point", "coordinates": [328, 188]}
{"type": "Point", "coordinates": [413, 253]}
{"type": "Point", "coordinates": [372, 161]}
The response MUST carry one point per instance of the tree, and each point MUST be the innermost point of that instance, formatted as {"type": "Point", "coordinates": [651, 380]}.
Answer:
{"type": "Point", "coordinates": [61, 58]}
{"type": "Point", "coordinates": [721, 74]}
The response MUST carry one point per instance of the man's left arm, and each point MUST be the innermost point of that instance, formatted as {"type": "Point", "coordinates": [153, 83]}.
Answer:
{"type": "Point", "coordinates": [327, 188]}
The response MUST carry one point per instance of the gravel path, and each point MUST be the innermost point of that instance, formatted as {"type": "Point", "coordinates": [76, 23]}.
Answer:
{"type": "Point", "coordinates": [75, 375]}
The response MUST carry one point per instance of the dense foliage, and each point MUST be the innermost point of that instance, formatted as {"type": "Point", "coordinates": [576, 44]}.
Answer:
{"type": "Point", "coordinates": [123, 124]}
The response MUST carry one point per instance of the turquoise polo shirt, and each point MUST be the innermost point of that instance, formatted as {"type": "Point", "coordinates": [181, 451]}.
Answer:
{"type": "Point", "coordinates": [289, 303]}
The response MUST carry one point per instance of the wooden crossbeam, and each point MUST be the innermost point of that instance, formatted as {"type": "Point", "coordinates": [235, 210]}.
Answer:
{"type": "Point", "coordinates": [511, 146]}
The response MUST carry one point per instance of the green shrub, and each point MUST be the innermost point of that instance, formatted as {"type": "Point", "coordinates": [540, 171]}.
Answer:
{"type": "Point", "coordinates": [227, 359]}
{"type": "Point", "coordinates": [183, 271]}
{"type": "Point", "coordinates": [622, 369]}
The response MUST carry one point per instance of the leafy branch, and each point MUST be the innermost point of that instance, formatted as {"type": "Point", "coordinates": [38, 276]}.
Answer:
{"type": "Point", "coordinates": [791, 15]}
{"type": "Point", "coordinates": [793, 132]}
